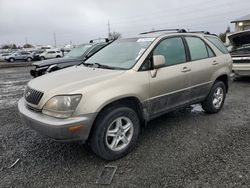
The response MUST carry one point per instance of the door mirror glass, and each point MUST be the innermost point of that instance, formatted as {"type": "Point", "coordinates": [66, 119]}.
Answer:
{"type": "Point", "coordinates": [159, 61]}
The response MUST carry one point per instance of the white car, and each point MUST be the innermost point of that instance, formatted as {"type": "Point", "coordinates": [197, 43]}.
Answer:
{"type": "Point", "coordinates": [49, 54]}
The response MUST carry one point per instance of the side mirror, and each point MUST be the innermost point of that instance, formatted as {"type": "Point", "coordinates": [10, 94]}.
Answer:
{"type": "Point", "coordinates": [159, 61]}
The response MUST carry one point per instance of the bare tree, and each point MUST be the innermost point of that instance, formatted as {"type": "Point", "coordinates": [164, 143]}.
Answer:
{"type": "Point", "coordinates": [224, 35]}
{"type": "Point", "coordinates": [28, 46]}
{"type": "Point", "coordinates": [114, 35]}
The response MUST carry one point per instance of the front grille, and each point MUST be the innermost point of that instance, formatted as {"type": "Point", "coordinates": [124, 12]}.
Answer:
{"type": "Point", "coordinates": [241, 61]}
{"type": "Point", "coordinates": [32, 96]}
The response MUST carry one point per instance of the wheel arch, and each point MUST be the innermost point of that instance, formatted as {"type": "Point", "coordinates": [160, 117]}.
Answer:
{"type": "Point", "coordinates": [223, 78]}
{"type": "Point", "coordinates": [132, 102]}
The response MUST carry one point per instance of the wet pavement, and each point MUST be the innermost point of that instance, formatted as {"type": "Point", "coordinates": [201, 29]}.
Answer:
{"type": "Point", "coordinates": [185, 148]}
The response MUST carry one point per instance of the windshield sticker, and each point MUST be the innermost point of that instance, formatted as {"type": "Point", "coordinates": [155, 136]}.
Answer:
{"type": "Point", "coordinates": [145, 40]}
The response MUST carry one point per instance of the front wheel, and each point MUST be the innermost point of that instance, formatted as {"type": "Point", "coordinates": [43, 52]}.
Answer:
{"type": "Point", "coordinates": [11, 60]}
{"type": "Point", "coordinates": [115, 133]}
{"type": "Point", "coordinates": [42, 58]}
{"type": "Point", "coordinates": [29, 59]}
{"type": "Point", "coordinates": [215, 100]}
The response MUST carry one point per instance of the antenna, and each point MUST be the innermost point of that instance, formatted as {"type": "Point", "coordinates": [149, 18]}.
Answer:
{"type": "Point", "coordinates": [55, 39]}
{"type": "Point", "coordinates": [109, 34]}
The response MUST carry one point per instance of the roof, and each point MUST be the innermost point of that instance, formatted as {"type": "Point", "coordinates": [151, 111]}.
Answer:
{"type": "Point", "coordinates": [244, 18]}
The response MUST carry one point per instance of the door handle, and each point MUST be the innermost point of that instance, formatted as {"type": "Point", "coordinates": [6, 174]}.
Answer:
{"type": "Point", "coordinates": [185, 69]}
{"type": "Point", "coordinates": [215, 62]}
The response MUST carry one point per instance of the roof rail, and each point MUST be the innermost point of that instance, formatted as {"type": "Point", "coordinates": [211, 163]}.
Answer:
{"type": "Point", "coordinates": [99, 40]}
{"type": "Point", "coordinates": [161, 30]}
{"type": "Point", "coordinates": [204, 32]}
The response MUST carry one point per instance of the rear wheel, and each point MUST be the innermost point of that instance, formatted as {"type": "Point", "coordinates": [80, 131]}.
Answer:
{"type": "Point", "coordinates": [42, 58]}
{"type": "Point", "coordinates": [115, 133]}
{"type": "Point", "coordinates": [215, 100]}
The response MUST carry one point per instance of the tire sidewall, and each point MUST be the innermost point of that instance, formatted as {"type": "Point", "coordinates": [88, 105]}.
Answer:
{"type": "Point", "coordinates": [211, 94]}
{"type": "Point", "coordinates": [102, 126]}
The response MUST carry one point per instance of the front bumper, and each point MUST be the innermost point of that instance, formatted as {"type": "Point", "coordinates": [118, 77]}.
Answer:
{"type": "Point", "coordinates": [38, 71]}
{"type": "Point", "coordinates": [57, 129]}
{"type": "Point", "coordinates": [241, 69]}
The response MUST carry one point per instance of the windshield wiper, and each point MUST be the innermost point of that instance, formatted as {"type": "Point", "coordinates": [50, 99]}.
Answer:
{"type": "Point", "coordinates": [85, 64]}
{"type": "Point", "coordinates": [98, 65]}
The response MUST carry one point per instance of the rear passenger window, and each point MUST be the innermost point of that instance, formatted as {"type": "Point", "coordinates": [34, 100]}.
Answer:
{"type": "Point", "coordinates": [210, 52]}
{"type": "Point", "coordinates": [198, 49]}
{"type": "Point", "coordinates": [217, 42]}
{"type": "Point", "coordinates": [172, 49]}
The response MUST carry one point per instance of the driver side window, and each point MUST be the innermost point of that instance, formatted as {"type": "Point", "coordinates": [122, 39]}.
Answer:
{"type": "Point", "coordinates": [172, 49]}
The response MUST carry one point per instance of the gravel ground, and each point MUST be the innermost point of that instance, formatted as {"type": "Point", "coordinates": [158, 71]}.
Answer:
{"type": "Point", "coordinates": [185, 148]}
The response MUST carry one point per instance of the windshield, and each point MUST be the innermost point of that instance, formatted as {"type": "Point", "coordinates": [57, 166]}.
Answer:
{"type": "Point", "coordinates": [78, 52]}
{"type": "Point", "coordinates": [123, 53]}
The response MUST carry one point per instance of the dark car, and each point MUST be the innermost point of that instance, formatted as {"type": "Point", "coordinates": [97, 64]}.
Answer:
{"type": "Point", "coordinates": [240, 53]}
{"type": "Point", "coordinates": [74, 57]}
{"type": "Point", "coordinates": [36, 54]}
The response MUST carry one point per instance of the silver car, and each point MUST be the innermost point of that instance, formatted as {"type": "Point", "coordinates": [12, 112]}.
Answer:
{"type": "Point", "coordinates": [24, 56]}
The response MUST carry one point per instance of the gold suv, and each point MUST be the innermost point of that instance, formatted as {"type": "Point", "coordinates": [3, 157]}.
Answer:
{"type": "Point", "coordinates": [105, 100]}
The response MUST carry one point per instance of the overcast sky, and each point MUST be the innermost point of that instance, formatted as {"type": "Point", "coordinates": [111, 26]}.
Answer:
{"type": "Point", "coordinates": [81, 20]}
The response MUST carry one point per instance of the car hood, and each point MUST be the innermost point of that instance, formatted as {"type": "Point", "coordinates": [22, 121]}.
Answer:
{"type": "Point", "coordinates": [240, 38]}
{"type": "Point", "coordinates": [54, 61]}
{"type": "Point", "coordinates": [72, 80]}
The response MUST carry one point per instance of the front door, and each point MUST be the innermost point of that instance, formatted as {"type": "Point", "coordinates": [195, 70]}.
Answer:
{"type": "Point", "coordinates": [168, 87]}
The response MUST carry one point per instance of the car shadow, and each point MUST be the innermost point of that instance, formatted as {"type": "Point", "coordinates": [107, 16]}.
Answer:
{"type": "Point", "coordinates": [242, 79]}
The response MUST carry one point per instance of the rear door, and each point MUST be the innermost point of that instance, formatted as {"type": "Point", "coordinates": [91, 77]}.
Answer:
{"type": "Point", "coordinates": [51, 54]}
{"type": "Point", "coordinates": [168, 88]}
{"type": "Point", "coordinates": [203, 64]}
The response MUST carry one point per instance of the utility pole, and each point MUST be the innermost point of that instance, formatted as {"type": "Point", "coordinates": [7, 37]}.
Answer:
{"type": "Point", "coordinates": [55, 39]}
{"type": "Point", "coordinates": [109, 34]}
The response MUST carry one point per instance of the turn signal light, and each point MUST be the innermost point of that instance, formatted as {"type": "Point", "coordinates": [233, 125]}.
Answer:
{"type": "Point", "coordinates": [75, 128]}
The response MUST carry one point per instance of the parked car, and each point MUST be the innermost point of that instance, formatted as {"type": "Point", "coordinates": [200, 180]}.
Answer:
{"type": "Point", "coordinates": [36, 54]}
{"type": "Point", "coordinates": [74, 57]}
{"type": "Point", "coordinates": [106, 100]}
{"type": "Point", "coordinates": [240, 53]}
{"type": "Point", "coordinates": [49, 54]}
{"type": "Point", "coordinates": [24, 56]}
{"type": "Point", "coordinates": [3, 55]}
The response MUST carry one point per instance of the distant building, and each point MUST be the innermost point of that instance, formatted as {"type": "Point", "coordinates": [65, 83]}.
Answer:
{"type": "Point", "coordinates": [242, 24]}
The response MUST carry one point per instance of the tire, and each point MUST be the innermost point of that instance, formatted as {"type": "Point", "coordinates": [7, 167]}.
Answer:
{"type": "Point", "coordinates": [11, 60]}
{"type": "Point", "coordinates": [216, 98]}
{"type": "Point", "coordinates": [115, 146]}
{"type": "Point", "coordinates": [58, 56]}
{"type": "Point", "coordinates": [29, 59]}
{"type": "Point", "coordinates": [42, 58]}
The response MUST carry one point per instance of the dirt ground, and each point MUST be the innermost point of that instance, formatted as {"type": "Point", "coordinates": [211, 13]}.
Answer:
{"type": "Point", "coordinates": [185, 148]}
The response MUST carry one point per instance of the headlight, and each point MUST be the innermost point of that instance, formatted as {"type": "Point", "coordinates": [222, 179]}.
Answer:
{"type": "Point", "coordinates": [61, 106]}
